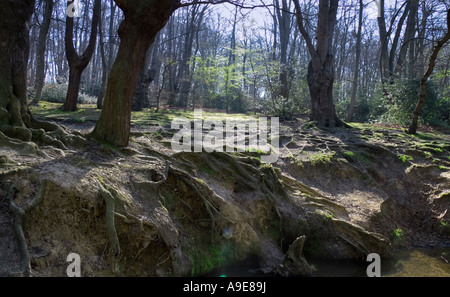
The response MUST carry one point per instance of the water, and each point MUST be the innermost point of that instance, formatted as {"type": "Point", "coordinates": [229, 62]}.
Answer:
{"type": "Point", "coordinates": [406, 263]}
{"type": "Point", "coordinates": [419, 263]}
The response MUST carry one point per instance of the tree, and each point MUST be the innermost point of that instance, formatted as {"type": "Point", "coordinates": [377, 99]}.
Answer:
{"type": "Point", "coordinates": [320, 75]}
{"type": "Point", "coordinates": [78, 63]}
{"type": "Point", "coordinates": [16, 120]}
{"type": "Point", "coordinates": [357, 61]}
{"type": "Point", "coordinates": [40, 51]}
{"type": "Point", "coordinates": [15, 116]}
{"type": "Point", "coordinates": [283, 17]}
{"type": "Point", "coordinates": [106, 61]}
{"type": "Point", "coordinates": [423, 82]}
{"type": "Point", "coordinates": [143, 20]}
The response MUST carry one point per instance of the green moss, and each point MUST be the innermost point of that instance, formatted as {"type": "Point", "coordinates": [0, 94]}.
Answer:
{"type": "Point", "coordinates": [207, 259]}
{"type": "Point", "coordinates": [207, 170]}
{"type": "Point", "coordinates": [349, 154]}
{"type": "Point", "coordinates": [363, 158]}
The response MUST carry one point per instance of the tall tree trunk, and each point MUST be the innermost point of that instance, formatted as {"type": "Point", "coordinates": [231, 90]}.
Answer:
{"type": "Point", "coordinates": [140, 98]}
{"type": "Point", "coordinates": [284, 20]}
{"type": "Point", "coordinates": [40, 51]}
{"type": "Point", "coordinates": [384, 54]}
{"type": "Point", "coordinates": [101, 93]}
{"type": "Point", "coordinates": [143, 20]}
{"type": "Point", "coordinates": [231, 69]}
{"type": "Point", "coordinates": [410, 31]}
{"type": "Point", "coordinates": [34, 24]}
{"type": "Point", "coordinates": [155, 65]}
{"type": "Point", "coordinates": [15, 116]}
{"type": "Point", "coordinates": [320, 75]}
{"type": "Point", "coordinates": [171, 70]}
{"type": "Point", "coordinates": [78, 63]}
{"type": "Point", "coordinates": [193, 24]}
{"type": "Point", "coordinates": [357, 61]}
{"type": "Point", "coordinates": [106, 62]}
{"type": "Point", "coordinates": [423, 82]}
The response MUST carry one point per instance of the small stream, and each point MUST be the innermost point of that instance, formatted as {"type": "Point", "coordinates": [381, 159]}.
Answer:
{"type": "Point", "coordinates": [405, 263]}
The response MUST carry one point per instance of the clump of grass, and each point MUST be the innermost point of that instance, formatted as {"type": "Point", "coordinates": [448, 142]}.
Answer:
{"type": "Point", "coordinates": [322, 158]}
{"type": "Point", "coordinates": [405, 158]}
{"type": "Point", "coordinates": [254, 150]}
{"type": "Point", "coordinates": [398, 235]}
{"type": "Point", "coordinates": [428, 155]}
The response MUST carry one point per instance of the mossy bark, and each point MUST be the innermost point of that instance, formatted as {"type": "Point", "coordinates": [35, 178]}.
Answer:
{"type": "Point", "coordinates": [16, 120]}
{"type": "Point", "coordinates": [14, 47]}
{"type": "Point", "coordinates": [143, 20]}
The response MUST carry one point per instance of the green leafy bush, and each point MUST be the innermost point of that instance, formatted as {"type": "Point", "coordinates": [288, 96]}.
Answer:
{"type": "Point", "coordinates": [403, 100]}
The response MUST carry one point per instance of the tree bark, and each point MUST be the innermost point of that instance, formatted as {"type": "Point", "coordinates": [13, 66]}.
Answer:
{"type": "Point", "coordinates": [423, 82]}
{"type": "Point", "coordinates": [408, 36]}
{"type": "Point", "coordinates": [357, 61]}
{"type": "Point", "coordinates": [384, 55]}
{"type": "Point", "coordinates": [101, 93]}
{"type": "Point", "coordinates": [78, 63]}
{"type": "Point", "coordinates": [14, 47]}
{"type": "Point", "coordinates": [140, 98]}
{"type": "Point", "coordinates": [40, 51]}
{"type": "Point", "coordinates": [320, 75]}
{"type": "Point", "coordinates": [143, 20]}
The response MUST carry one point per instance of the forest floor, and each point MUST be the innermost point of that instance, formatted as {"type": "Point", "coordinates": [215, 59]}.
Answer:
{"type": "Point", "coordinates": [350, 192]}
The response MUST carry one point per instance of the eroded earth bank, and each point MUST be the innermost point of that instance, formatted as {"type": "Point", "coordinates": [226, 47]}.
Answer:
{"type": "Point", "coordinates": [147, 211]}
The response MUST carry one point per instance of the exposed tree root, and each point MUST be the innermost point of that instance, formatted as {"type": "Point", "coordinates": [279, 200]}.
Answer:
{"type": "Point", "coordinates": [41, 132]}
{"type": "Point", "coordinates": [294, 263]}
{"type": "Point", "coordinates": [110, 225]}
{"type": "Point", "coordinates": [19, 213]}
{"type": "Point", "coordinates": [16, 144]}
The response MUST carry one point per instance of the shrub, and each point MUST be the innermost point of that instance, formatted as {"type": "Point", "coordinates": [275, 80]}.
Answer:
{"type": "Point", "coordinates": [402, 102]}
{"type": "Point", "coordinates": [55, 92]}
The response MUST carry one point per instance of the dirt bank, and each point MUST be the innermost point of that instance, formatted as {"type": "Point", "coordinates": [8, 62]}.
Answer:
{"type": "Point", "coordinates": [147, 211]}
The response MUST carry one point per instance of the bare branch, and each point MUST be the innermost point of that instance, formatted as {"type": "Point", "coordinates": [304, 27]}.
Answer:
{"type": "Point", "coordinates": [309, 44]}
{"type": "Point", "coordinates": [238, 3]}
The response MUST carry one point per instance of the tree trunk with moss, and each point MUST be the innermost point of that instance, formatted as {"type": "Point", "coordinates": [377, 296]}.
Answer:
{"type": "Point", "coordinates": [16, 120]}
{"type": "Point", "coordinates": [143, 20]}
{"type": "Point", "coordinates": [15, 116]}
